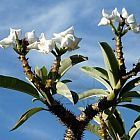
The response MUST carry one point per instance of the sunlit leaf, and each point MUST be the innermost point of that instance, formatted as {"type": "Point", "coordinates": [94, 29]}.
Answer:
{"type": "Point", "coordinates": [98, 74]}
{"type": "Point", "coordinates": [111, 63]}
{"type": "Point", "coordinates": [18, 85]}
{"type": "Point", "coordinates": [63, 89]}
{"type": "Point", "coordinates": [92, 93]}
{"type": "Point", "coordinates": [66, 64]}
{"type": "Point", "coordinates": [135, 128]}
{"type": "Point", "coordinates": [129, 86]}
{"type": "Point", "coordinates": [26, 116]}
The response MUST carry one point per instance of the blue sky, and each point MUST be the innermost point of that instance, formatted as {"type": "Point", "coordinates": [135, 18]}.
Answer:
{"type": "Point", "coordinates": [51, 16]}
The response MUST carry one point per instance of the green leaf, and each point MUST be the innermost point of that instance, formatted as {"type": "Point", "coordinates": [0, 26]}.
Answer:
{"type": "Point", "coordinates": [26, 116]}
{"type": "Point", "coordinates": [94, 129]}
{"type": "Point", "coordinates": [119, 119]}
{"type": "Point", "coordinates": [99, 74]}
{"type": "Point", "coordinates": [112, 131]}
{"type": "Point", "coordinates": [125, 100]}
{"type": "Point", "coordinates": [111, 63]}
{"type": "Point", "coordinates": [132, 106]}
{"type": "Point", "coordinates": [91, 93]}
{"type": "Point", "coordinates": [129, 86]}
{"type": "Point", "coordinates": [116, 125]}
{"type": "Point", "coordinates": [135, 128]}
{"type": "Point", "coordinates": [131, 94]}
{"type": "Point", "coordinates": [41, 73]}
{"type": "Point", "coordinates": [44, 73]}
{"type": "Point", "coordinates": [18, 85]}
{"type": "Point", "coordinates": [114, 122]}
{"type": "Point", "coordinates": [66, 64]}
{"type": "Point", "coordinates": [63, 89]}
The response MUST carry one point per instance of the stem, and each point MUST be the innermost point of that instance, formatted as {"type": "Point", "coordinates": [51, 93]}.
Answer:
{"type": "Point", "coordinates": [133, 72]}
{"type": "Point", "coordinates": [64, 115]}
{"type": "Point", "coordinates": [119, 48]}
{"type": "Point", "coordinates": [85, 117]}
{"type": "Point", "coordinates": [120, 57]}
{"type": "Point", "coordinates": [75, 124]}
{"type": "Point", "coordinates": [34, 80]}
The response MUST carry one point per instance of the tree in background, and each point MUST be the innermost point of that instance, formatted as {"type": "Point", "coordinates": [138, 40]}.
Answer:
{"type": "Point", "coordinates": [45, 84]}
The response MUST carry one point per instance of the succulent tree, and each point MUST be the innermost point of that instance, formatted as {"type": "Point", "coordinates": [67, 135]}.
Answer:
{"type": "Point", "coordinates": [44, 84]}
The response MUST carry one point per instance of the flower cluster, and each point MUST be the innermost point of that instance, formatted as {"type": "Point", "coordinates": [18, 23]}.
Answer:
{"type": "Point", "coordinates": [130, 21]}
{"type": "Point", "coordinates": [65, 39]}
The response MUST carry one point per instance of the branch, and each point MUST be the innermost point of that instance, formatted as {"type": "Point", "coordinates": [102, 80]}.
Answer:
{"type": "Point", "coordinates": [64, 115]}
{"type": "Point", "coordinates": [133, 72]}
{"type": "Point", "coordinates": [77, 132]}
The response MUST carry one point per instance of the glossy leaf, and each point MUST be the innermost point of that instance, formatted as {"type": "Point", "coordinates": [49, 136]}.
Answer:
{"type": "Point", "coordinates": [131, 94]}
{"type": "Point", "coordinates": [112, 131]}
{"type": "Point", "coordinates": [111, 63]}
{"type": "Point", "coordinates": [63, 89]}
{"type": "Point", "coordinates": [129, 86]}
{"type": "Point", "coordinates": [94, 129]}
{"type": "Point", "coordinates": [135, 128]}
{"type": "Point", "coordinates": [114, 122]}
{"type": "Point", "coordinates": [66, 64]}
{"type": "Point", "coordinates": [18, 85]}
{"type": "Point", "coordinates": [92, 93]}
{"type": "Point", "coordinates": [99, 74]}
{"type": "Point", "coordinates": [131, 106]}
{"type": "Point", "coordinates": [26, 116]}
{"type": "Point", "coordinates": [116, 125]}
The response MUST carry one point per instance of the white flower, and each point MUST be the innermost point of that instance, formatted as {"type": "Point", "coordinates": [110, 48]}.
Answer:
{"type": "Point", "coordinates": [67, 39]}
{"type": "Point", "coordinates": [70, 41]}
{"type": "Point", "coordinates": [31, 37]}
{"type": "Point", "coordinates": [131, 19]}
{"type": "Point", "coordinates": [10, 40]}
{"type": "Point", "coordinates": [62, 34]}
{"type": "Point", "coordinates": [135, 28]}
{"type": "Point", "coordinates": [43, 45]}
{"type": "Point", "coordinates": [124, 13]}
{"type": "Point", "coordinates": [104, 21]}
{"type": "Point", "coordinates": [107, 17]}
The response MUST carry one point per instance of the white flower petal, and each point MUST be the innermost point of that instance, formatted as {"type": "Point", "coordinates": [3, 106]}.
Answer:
{"type": "Point", "coordinates": [31, 37]}
{"type": "Point", "coordinates": [68, 31]}
{"type": "Point", "coordinates": [33, 46]}
{"type": "Point", "coordinates": [105, 14]}
{"type": "Point", "coordinates": [46, 46]}
{"type": "Point", "coordinates": [124, 13]}
{"type": "Point", "coordinates": [6, 42]}
{"type": "Point", "coordinates": [104, 21]}
{"type": "Point", "coordinates": [70, 41]}
{"type": "Point", "coordinates": [13, 35]}
{"type": "Point", "coordinates": [131, 19]}
{"type": "Point", "coordinates": [115, 15]}
{"type": "Point", "coordinates": [135, 28]}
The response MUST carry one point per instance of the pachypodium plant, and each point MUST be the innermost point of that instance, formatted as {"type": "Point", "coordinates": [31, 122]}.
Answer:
{"type": "Point", "coordinates": [44, 84]}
